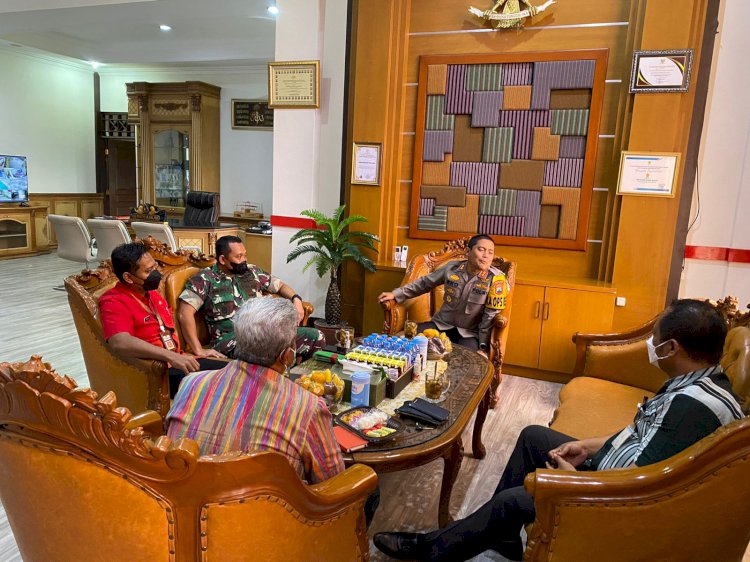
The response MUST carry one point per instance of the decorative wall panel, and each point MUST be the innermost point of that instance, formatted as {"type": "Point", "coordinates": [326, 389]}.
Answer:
{"type": "Point", "coordinates": [506, 145]}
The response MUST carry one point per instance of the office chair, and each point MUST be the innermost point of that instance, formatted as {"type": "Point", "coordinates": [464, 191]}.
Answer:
{"type": "Point", "coordinates": [159, 230]}
{"type": "Point", "coordinates": [73, 239]}
{"type": "Point", "coordinates": [201, 209]}
{"type": "Point", "coordinates": [109, 234]}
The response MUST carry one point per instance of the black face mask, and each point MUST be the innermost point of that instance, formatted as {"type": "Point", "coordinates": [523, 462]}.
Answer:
{"type": "Point", "coordinates": [238, 268]}
{"type": "Point", "coordinates": [152, 281]}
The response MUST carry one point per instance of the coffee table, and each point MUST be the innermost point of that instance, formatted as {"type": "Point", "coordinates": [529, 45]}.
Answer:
{"type": "Point", "coordinates": [470, 379]}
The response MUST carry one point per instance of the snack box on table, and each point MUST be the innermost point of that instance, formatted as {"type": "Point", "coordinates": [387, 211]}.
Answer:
{"type": "Point", "coordinates": [377, 391]}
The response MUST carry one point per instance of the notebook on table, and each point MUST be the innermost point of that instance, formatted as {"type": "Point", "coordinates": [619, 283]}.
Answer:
{"type": "Point", "coordinates": [347, 440]}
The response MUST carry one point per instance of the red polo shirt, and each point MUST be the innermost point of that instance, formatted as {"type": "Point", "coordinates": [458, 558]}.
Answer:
{"type": "Point", "coordinates": [121, 312]}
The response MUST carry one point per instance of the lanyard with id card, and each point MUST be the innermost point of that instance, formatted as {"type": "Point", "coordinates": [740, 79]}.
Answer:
{"type": "Point", "coordinates": [164, 334]}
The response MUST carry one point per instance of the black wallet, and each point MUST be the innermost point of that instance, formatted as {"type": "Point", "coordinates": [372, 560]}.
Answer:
{"type": "Point", "coordinates": [423, 411]}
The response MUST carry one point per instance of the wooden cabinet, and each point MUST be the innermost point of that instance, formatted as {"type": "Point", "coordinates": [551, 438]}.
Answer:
{"type": "Point", "coordinates": [23, 231]}
{"type": "Point", "coordinates": [545, 316]}
{"type": "Point", "coordinates": [84, 205]}
{"type": "Point", "coordinates": [177, 140]}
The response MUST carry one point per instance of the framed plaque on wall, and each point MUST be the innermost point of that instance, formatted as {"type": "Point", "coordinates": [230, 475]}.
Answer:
{"type": "Point", "coordinates": [294, 84]}
{"type": "Point", "coordinates": [252, 114]}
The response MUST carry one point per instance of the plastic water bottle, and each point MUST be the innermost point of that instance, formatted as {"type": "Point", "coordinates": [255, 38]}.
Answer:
{"type": "Point", "coordinates": [360, 389]}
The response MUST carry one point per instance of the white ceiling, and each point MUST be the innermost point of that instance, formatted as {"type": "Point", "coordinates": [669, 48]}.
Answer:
{"type": "Point", "coordinates": [114, 32]}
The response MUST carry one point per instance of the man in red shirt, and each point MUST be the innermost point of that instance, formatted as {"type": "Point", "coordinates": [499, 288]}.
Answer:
{"type": "Point", "coordinates": [137, 321]}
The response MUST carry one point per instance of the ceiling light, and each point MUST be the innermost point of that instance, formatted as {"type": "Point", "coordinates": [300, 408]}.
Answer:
{"type": "Point", "coordinates": [273, 10]}
{"type": "Point", "coordinates": [165, 27]}
{"type": "Point", "coordinates": [94, 64]}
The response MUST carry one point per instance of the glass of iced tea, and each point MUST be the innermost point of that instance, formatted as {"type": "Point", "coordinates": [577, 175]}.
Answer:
{"type": "Point", "coordinates": [434, 385]}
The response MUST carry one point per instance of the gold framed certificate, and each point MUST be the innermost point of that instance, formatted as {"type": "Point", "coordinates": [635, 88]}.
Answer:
{"type": "Point", "coordinates": [366, 163]}
{"type": "Point", "coordinates": [294, 84]}
{"type": "Point", "coordinates": [652, 174]}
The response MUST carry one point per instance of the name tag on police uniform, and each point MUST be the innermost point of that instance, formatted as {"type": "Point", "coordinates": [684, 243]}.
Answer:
{"type": "Point", "coordinates": [498, 294]}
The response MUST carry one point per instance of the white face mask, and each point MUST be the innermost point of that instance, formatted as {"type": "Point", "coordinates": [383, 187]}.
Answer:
{"type": "Point", "coordinates": [653, 358]}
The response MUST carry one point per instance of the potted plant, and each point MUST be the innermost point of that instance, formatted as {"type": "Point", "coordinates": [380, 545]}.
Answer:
{"type": "Point", "coordinates": [330, 245]}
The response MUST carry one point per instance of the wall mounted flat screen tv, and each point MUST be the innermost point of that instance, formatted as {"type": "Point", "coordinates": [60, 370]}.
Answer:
{"type": "Point", "coordinates": [14, 180]}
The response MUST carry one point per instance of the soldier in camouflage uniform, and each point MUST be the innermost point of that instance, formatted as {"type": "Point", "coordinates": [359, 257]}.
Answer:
{"type": "Point", "coordinates": [220, 290]}
{"type": "Point", "coordinates": [475, 292]}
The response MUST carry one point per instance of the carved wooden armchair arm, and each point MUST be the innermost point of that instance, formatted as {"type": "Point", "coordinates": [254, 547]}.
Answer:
{"type": "Point", "coordinates": [395, 317]}
{"type": "Point", "coordinates": [664, 506]}
{"type": "Point", "coordinates": [151, 422]}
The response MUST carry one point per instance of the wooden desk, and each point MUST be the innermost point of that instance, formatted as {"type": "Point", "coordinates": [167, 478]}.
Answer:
{"type": "Point", "coordinates": [470, 377]}
{"type": "Point", "coordinates": [203, 237]}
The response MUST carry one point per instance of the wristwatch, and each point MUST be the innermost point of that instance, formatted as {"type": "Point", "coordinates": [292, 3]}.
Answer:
{"type": "Point", "coordinates": [482, 347]}
{"type": "Point", "coordinates": [295, 296]}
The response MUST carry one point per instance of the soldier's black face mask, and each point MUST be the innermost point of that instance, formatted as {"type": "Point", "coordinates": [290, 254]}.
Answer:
{"type": "Point", "coordinates": [238, 268]}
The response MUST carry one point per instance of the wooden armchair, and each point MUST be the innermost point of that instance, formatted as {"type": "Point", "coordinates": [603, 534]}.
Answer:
{"type": "Point", "coordinates": [139, 384]}
{"type": "Point", "coordinates": [692, 506]}
{"type": "Point", "coordinates": [80, 480]}
{"type": "Point", "coordinates": [673, 510]}
{"type": "Point", "coordinates": [423, 307]}
{"type": "Point", "coordinates": [613, 375]}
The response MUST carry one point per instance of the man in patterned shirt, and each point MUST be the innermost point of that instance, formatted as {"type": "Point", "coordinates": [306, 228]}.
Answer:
{"type": "Point", "coordinates": [696, 400]}
{"type": "Point", "coordinates": [250, 405]}
{"type": "Point", "coordinates": [218, 291]}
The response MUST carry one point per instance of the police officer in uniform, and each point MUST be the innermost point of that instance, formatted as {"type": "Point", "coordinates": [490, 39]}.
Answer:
{"type": "Point", "coordinates": [475, 292]}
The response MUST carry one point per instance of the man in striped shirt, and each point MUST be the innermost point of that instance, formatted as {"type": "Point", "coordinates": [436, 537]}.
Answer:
{"type": "Point", "coordinates": [250, 405]}
{"type": "Point", "coordinates": [696, 400]}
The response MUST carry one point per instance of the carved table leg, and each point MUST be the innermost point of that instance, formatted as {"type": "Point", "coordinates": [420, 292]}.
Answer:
{"type": "Point", "coordinates": [477, 447]}
{"type": "Point", "coordinates": [452, 459]}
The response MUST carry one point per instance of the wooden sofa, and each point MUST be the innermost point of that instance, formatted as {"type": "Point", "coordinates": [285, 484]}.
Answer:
{"type": "Point", "coordinates": [423, 307]}
{"type": "Point", "coordinates": [613, 375]}
{"type": "Point", "coordinates": [138, 384]}
{"type": "Point", "coordinates": [673, 510]}
{"type": "Point", "coordinates": [80, 479]}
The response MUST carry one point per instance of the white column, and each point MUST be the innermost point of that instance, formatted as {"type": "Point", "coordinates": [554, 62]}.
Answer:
{"type": "Point", "coordinates": [724, 167]}
{"type": "Point", "coordinates": [307, 142]}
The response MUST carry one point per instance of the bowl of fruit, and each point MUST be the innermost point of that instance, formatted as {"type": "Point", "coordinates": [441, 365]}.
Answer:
{"type": "Point", "coordinates": [438, 344]}
{"type": "Point", "coordinates": [325, 384]}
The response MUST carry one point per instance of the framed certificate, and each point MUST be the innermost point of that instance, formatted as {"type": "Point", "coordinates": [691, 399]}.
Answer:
{"type": "Point", "coordinates": [648, 173]}
{"type": "Point", "coordinates": [661, 71]}
{"type": "Point", "coordinates": [366, 163]}
{"type": "Point", "coordinates": [252, 114]}
{"type": "Point", "coordinates": [294, 85]}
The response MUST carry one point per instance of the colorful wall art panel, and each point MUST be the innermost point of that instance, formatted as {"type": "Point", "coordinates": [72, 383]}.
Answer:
{"type": "Point", "coordinates": [506, 146]}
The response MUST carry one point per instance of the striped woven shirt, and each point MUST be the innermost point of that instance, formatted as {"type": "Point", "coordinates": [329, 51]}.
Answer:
{"type": "Point", "coordinates": [684, 411]}
{"type": "Point", "coordinates": [245, 407]}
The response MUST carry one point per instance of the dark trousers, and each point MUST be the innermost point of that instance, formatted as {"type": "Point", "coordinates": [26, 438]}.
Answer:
{"type": "Point", "coordinates": [176, 375]}
{"type": "Point", "coordinates": [453, 335]}
{"type": "Point", "coordinates": [497, 524]}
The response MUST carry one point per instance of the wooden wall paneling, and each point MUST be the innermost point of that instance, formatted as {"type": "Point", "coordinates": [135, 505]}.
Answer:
{"type": "Point", "coordinates": [659, 123]}
{"type": "Point", "coordinates": [41, 229]}
{"type": "Point", "coordinates": [380, 43]}
{"type": "Point", "coordinates": [91, 209]}
{"type": "Point", "coordinates": [67, 208]}
{"type": "Point", "coordinates": [622, 132]}
{"type": "Point", "coordinates": [612, 38]}
{"type": "Point", "coordinates": [441, 15]}
{"type": "Point", "coordinates": [596, 218]}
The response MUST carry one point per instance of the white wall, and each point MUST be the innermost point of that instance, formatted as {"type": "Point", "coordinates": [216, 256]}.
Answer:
{"type": "Point", "coordinates": [47, 111]}
{"type": "Point", "coordinates": [724, 166]}
{"type": "Point", "coordinates": [246, 156]}
{"type": "Point", "coordinates": [307, 142]}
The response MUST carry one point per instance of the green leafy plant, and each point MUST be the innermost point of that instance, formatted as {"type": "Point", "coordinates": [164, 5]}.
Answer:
{"type": "Point", "coordinates": [331, 245]}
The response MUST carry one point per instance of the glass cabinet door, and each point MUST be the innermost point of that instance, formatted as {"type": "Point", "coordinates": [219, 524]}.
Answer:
{"type": "Point", "coordinates": [171, 167]}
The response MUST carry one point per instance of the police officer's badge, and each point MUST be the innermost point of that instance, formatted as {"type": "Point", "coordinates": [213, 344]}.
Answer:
{"type": "Point", "coordinates": [498, 294]}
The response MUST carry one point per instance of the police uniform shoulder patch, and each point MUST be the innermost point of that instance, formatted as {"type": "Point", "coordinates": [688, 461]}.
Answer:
{"type": "Point", "coordinates": [453, 277]}
{"type": "Point", "coordinates": [498, 295]}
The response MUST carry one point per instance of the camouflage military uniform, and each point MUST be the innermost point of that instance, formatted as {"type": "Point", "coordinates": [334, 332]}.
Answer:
{"type": "Point", "coordinates": [218, 296]}
{"type": "Point", "coordinates": [471, 302]}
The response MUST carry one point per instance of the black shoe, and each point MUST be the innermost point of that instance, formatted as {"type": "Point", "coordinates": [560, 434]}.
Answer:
{"type": "Point", "coordinates": [402, 546]}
